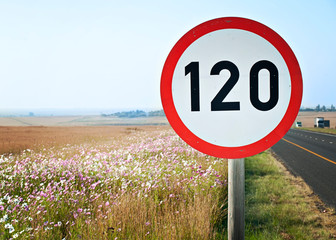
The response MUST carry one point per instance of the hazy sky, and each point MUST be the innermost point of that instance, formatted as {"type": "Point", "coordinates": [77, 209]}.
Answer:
{"type": "Point", "coordinates": [110, 54]}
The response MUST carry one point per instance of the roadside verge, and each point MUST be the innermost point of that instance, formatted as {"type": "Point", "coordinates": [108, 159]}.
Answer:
{"type": "Point", "coordinates": [281, 206]}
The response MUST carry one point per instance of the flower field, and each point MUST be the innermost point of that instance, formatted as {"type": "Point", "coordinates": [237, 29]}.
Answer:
{"type": "Point", "coordinates": [143, 185]}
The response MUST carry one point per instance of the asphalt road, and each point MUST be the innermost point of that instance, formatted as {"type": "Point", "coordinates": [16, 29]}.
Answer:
{"type": "Point", "coordinates": [313, 157]}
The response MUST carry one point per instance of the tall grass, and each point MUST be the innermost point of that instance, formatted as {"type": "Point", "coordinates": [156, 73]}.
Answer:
{"type": "Point", "coordinates": [147, 185]}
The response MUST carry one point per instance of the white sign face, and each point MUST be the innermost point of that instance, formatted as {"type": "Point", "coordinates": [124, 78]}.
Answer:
{"type": "Point", "coordinates": [244, 124]}
{"type": "Point", "coordinates": [231, 87]}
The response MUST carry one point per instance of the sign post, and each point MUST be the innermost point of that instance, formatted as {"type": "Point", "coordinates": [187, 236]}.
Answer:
{"type": "Point", "coordinates": [236, 198]}
{"type": "Point", "coordinates": [231, 88]}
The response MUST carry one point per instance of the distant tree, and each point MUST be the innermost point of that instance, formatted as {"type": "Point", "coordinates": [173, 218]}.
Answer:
{"type": "Point", "coordinates": [130, 114]}
{"type": "Point", "coordinates": [305, 109]}
{"type": "Point", "coordinates": [332, 108]}
{"type": "Point", "coordinates": [135, 114]}
{"type": "Point", "coordinates": [318, 108]}
{"type": "Point", "coordinates": [156, 113]}
{"type": "Point", "coordinates": [323, 109]}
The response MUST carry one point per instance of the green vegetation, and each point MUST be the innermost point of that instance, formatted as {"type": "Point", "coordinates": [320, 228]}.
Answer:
{"type": "Point", "coordinates": [158, 113]}
{"type": "Point", "coordinates": [278, 205]}
{"type": "Point", "coordinates": [322, 130]}
{"type": "Point", "coordinates": [318, 108]}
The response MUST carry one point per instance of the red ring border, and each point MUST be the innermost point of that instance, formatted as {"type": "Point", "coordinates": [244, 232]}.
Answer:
{"type": "Point", "coordinates": [231, 23]}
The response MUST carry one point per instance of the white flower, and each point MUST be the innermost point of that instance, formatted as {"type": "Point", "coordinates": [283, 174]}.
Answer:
{"type": "Point", "coordinates": [4, 218]}
{"type": "Point", "coordinates": [8, 225]}
{"type": "Point", "coordinates": [15, 235]}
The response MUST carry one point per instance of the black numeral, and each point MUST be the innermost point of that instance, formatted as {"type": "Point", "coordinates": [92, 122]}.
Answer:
{"type": "Point", "coordinates": [217, 103]}
{"type": "Point", "coordinates": [254, 85]}
{"type": "Point", "coordinates": [193, 69]}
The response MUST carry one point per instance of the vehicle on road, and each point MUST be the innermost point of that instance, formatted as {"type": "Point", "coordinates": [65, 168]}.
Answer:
{"type": "Point", "coordinates": [319, 122]}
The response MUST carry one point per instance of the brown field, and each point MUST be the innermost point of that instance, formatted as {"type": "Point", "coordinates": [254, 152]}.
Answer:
{"type": "Point", "coordinates": [80, 121]}
{"type": "Point", "coordinates": [308, 118]}
{"type": "Point", "coordinates": [16, 139]}
{"type": "Point", "coordinates": [19, 133]}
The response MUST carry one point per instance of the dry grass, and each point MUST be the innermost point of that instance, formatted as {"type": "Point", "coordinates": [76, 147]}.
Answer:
{"type": "Point", "coordinates": [16, 139]}
{"type": "Point", "coordinates": [171, 220]}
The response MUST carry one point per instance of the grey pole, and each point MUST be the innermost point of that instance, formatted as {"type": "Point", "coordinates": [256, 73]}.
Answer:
{"type": "Point", "coordinates": [236, 198]}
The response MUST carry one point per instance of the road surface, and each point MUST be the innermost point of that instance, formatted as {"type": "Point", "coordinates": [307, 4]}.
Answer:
{"type": "Point", "coordinates": [313, 157]}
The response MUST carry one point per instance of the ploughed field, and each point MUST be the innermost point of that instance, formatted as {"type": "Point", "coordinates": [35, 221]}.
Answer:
{"type": "Point", "coordinates": [16, 139]}
{"type": "Point", "coordinates": [308, 118]}
{"type": "Point", "coordinates": [108, 183]}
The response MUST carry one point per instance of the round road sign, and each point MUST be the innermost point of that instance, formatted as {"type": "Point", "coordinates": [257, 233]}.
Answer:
{"type": "Point", "coordinates": [231, 87]}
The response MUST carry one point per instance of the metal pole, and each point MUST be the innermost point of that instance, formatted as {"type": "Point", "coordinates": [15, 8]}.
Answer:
{"type": "Point", "coordinates": [236, 198]}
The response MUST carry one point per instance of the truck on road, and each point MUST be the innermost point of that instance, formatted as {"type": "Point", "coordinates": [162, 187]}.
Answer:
{"type": "Point", "coordinates": [319, 122]}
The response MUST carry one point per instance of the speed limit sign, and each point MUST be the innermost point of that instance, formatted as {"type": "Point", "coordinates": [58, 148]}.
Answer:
{"type": "Point", "coordinates": [231, 87]}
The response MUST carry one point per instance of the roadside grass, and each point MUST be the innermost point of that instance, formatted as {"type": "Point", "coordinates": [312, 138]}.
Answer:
{"type": "Point", "coordinates": [281, 206]}
{"type": "Point", "coordinates": [322, 130]}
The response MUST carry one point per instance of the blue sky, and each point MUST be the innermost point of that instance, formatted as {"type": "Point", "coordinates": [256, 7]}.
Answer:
{"type": "Point", "coordinates": [110, 54]}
